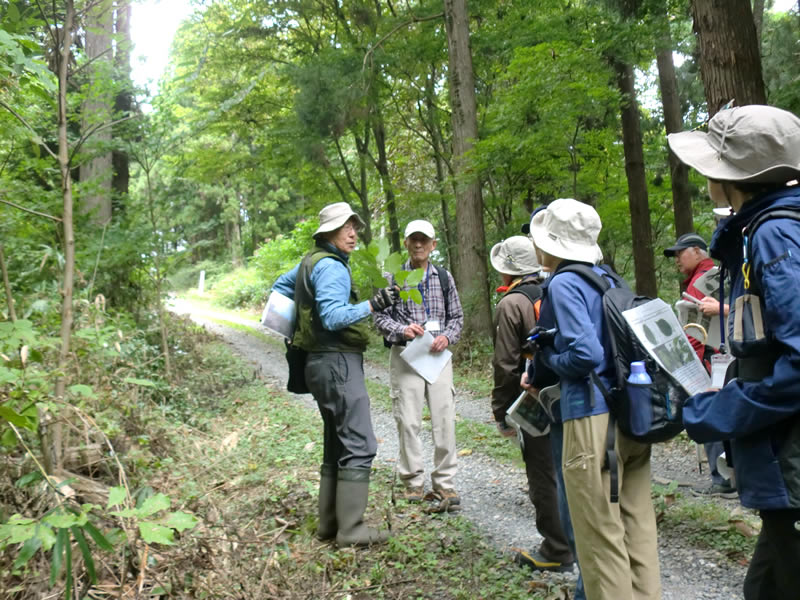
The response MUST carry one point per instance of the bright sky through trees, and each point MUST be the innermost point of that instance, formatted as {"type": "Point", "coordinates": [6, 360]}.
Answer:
{"type": "Point", "coordinates": [153, 26]}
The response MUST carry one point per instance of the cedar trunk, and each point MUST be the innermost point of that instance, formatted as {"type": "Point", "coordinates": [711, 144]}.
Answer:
{"type": "Point", "coordinates": [730, 62]}
{"type": "Point", "coordinates": [643, 261]}
{"type": "Point", "coordinates": [471, 274]}
{"type": "Point", "coordinates": [673, 121]}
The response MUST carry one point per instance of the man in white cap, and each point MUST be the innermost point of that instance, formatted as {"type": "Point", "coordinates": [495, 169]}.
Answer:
{"type": "Point", "coordinates": [440, 314]}
{"type": "Point", "coordinates": [331, 328]}
{"type": "Point", "coordinates": [751, 157]}
{"type": "Point", "coordinates": [515, 315]}
{"type": "Point", "coordinates": [616, 542]}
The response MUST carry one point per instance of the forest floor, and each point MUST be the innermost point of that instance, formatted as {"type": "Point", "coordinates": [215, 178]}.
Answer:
{"type": "Point", "coordinates": [704, 543]}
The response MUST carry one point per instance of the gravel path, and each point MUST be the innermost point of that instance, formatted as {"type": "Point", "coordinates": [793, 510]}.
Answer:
{"type": "Point", "coordinates": [494, 495]}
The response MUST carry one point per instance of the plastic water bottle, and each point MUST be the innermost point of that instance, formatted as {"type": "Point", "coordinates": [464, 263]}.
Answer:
{"type": "Point", "coordinates": [641, 410]}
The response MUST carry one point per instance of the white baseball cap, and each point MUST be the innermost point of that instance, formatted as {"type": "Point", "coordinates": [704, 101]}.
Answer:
{"type": "Point", "coordinates": [420, 226]}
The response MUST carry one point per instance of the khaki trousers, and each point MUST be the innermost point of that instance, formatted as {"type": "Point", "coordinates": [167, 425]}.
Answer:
{"type": "Point", "coordinates": [409, 393]}
{"type": "Point", "coordinates": [617, 543]}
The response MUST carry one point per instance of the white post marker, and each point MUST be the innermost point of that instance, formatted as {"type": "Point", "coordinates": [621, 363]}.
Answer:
{"type": "Point", "coordinates": [201, 285]}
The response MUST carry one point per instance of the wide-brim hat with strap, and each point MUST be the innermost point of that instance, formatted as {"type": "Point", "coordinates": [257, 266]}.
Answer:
{"type": "Point", "coordinates": [568, 229]}
{"type": "Point", "coordinates": [753, 143]}
{"type": "Point", "coordinates": [334, 216]}
{"type": "Point", "coordinates": [515, 256]}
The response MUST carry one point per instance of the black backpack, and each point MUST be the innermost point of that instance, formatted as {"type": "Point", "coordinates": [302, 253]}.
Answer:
{"type": "Point", "coordinates": [666, 395]}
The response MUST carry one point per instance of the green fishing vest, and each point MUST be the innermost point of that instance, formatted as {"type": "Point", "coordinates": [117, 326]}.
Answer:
{"type": "Point", "coordinates": [310, 335]}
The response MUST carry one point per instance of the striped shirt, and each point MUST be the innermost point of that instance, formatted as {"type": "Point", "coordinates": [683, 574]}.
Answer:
{"type": "Point", "coordinates": [393, 321]}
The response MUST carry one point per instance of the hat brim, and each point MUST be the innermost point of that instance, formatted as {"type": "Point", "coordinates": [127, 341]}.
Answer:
{"type": "Point", "coordinates": [338, 222]}
{"type": "Point", "coordinates": [556, 247]}
{"type": "Point", "coordinates": [502, 266]}
{"type": "Point", "coordinates": [673, 250]}
{"type": "Point", "coordinates": [693, 149]}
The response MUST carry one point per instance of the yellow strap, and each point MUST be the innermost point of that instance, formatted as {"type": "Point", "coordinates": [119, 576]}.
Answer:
{"type": "Point", "coordinates": [746, 274]}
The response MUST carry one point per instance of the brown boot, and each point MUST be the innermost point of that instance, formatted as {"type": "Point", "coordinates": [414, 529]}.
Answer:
{"type": "Point", "coordinates": [352, 489]}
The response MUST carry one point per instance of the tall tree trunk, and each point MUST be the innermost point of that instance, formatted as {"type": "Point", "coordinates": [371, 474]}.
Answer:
{"type": "Point", "coordinates": [471, 274]}
{"type": "Point", "coordinates": [382, 165]}
{"type": "Point", "coordinates": [96, 173]}
{"type": "Point", "coordinates": [438, 149]}
{"type": "Point", "coordinates": [124, 101]}
{"type": "Point", "coordinates": [52, 452]}
{"type": "Point", "coordinates": [758, 20]}
{"type": "Point", "coordinates": [730, 61]}
{"type": "Point", "coordinates": [643, 261]}
{"type": "Point", "coordinates": [362, 147]}
{"type": "Point", "coordinates": [673, 121]}
{"type": "Point", "coordinates": [12, 314]}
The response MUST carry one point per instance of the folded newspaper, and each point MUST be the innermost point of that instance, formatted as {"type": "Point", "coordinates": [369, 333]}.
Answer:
{"type": "Point", "coordinates": [657, 329]}
{"type": "Point", "coordinates": [534, 416]}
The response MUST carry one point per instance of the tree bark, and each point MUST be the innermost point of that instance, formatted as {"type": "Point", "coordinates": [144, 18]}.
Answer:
{"type": "Point", "coordinates": [438, 149]}
{"type": "Point", "coordinates": [52, 450]}
{"type": "Point", "coordinates": [471, 274]}
{"type": "Point", "coordinates": [124, 102]}
{"type": "Point", "coordinates": [643, 261]}
{"type": "Point", "coordinates": [382, 166]}
{"type": "Point", "coordinates": [758, 20]}
{"type": "Point", "coordinates": [7, 285]}
{"type": "Point", "coordinates": [673, 121]}
{"type": "Point", "coordinates": [96, 173]}
{"type": "Point", "coordinates": [730, 61]}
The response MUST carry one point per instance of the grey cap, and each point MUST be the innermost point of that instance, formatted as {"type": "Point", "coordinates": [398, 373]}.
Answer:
{"type": "Point", "coordinates": [335, 215]}
{"type": "Point", "coordinates": [753, 143]}
{"type": "Point", "coordinates": [515, 256]}
{"type": "Point", "coordinates": [687, 240]}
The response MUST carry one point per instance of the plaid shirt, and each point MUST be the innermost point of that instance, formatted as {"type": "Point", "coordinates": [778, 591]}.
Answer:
{"type": "Point", "coordinates": [393, 321]}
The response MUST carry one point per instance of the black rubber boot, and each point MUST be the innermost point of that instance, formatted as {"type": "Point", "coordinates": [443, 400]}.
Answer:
{"type": "Point", "coordinates": [327, 502]}
{"type": "Point", "coordinates": [352, 490]}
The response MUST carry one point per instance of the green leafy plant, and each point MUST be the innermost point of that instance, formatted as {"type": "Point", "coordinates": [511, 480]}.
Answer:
{"type": "Point", "coordinates": [376, 259]}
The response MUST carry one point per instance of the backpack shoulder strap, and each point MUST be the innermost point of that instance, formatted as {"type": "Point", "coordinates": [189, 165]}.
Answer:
{"type": "Point", "coordinates": [758, 221]}
{"type": "Point", "coordinates": [585, 271]}
{"type": "Point", "coordinates": [444, 281]}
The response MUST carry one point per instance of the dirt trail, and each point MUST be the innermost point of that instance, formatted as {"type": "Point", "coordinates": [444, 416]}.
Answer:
{"type": "Point", "coordinates": [494, 494]}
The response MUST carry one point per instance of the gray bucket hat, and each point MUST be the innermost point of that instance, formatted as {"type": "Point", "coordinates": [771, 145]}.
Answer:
{"type": "Point", "coordinates": [334, 216]}
{"type": "Point", "coordinates": [753, 143]}
{"type": "Point", "coordinates": [515, 256]}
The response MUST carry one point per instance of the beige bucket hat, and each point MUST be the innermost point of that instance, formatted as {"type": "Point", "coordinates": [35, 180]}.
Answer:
{"type": "Point", "coordinates": [334, 216]}
{"type": "Point", "coordinates": [568, 229]}
{"type": "Point", "coordinates": [753, 143]}
{"type": "Point", "coordinates": [515, 256]}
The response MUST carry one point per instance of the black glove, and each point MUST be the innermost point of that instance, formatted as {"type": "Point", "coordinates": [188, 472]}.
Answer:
{"type": "Point", "coordinates": [384, 298]}
{"type": "Point", "coordinates": [542, 336]}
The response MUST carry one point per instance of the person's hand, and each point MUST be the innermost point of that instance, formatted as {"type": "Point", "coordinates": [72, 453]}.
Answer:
{"type": "Point", "coordinates": [440, 342]}
{"type": "Point", "coordinates": [505, 430]}
{"type": "Point", "coordinates": [542, 336]}
{"type": "Point", "coordinates": [709, 306]}
{"type": "Point", "coordinates": [525, 385]}
{"type": "Point", "coordinates": [413, 330]}
{"type": "Point", "coordinates": [384, 298]}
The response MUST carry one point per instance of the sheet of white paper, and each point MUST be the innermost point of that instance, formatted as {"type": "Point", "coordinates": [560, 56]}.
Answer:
{"type": "Point", "coordinates": [279, 315]}
{"type": "Point", "coordinates": [419, 357]}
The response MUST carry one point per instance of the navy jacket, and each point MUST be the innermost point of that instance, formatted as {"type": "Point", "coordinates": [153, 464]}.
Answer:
{"type": "Point", "coordinates": [761, 417]}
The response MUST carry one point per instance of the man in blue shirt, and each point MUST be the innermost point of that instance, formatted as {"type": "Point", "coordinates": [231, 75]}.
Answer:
{"type": "Point", "coordinates": [332, 330]}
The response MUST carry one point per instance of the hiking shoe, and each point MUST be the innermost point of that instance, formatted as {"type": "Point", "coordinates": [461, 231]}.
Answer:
{"type": "Point", "coordinates": [443, 501]}
{"type": "Point", "coordinates": [717, 490]}
{"type": "Point", "coordinates": [412, 494]}
{"type": "Point", "coordinates": [537, 562]}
